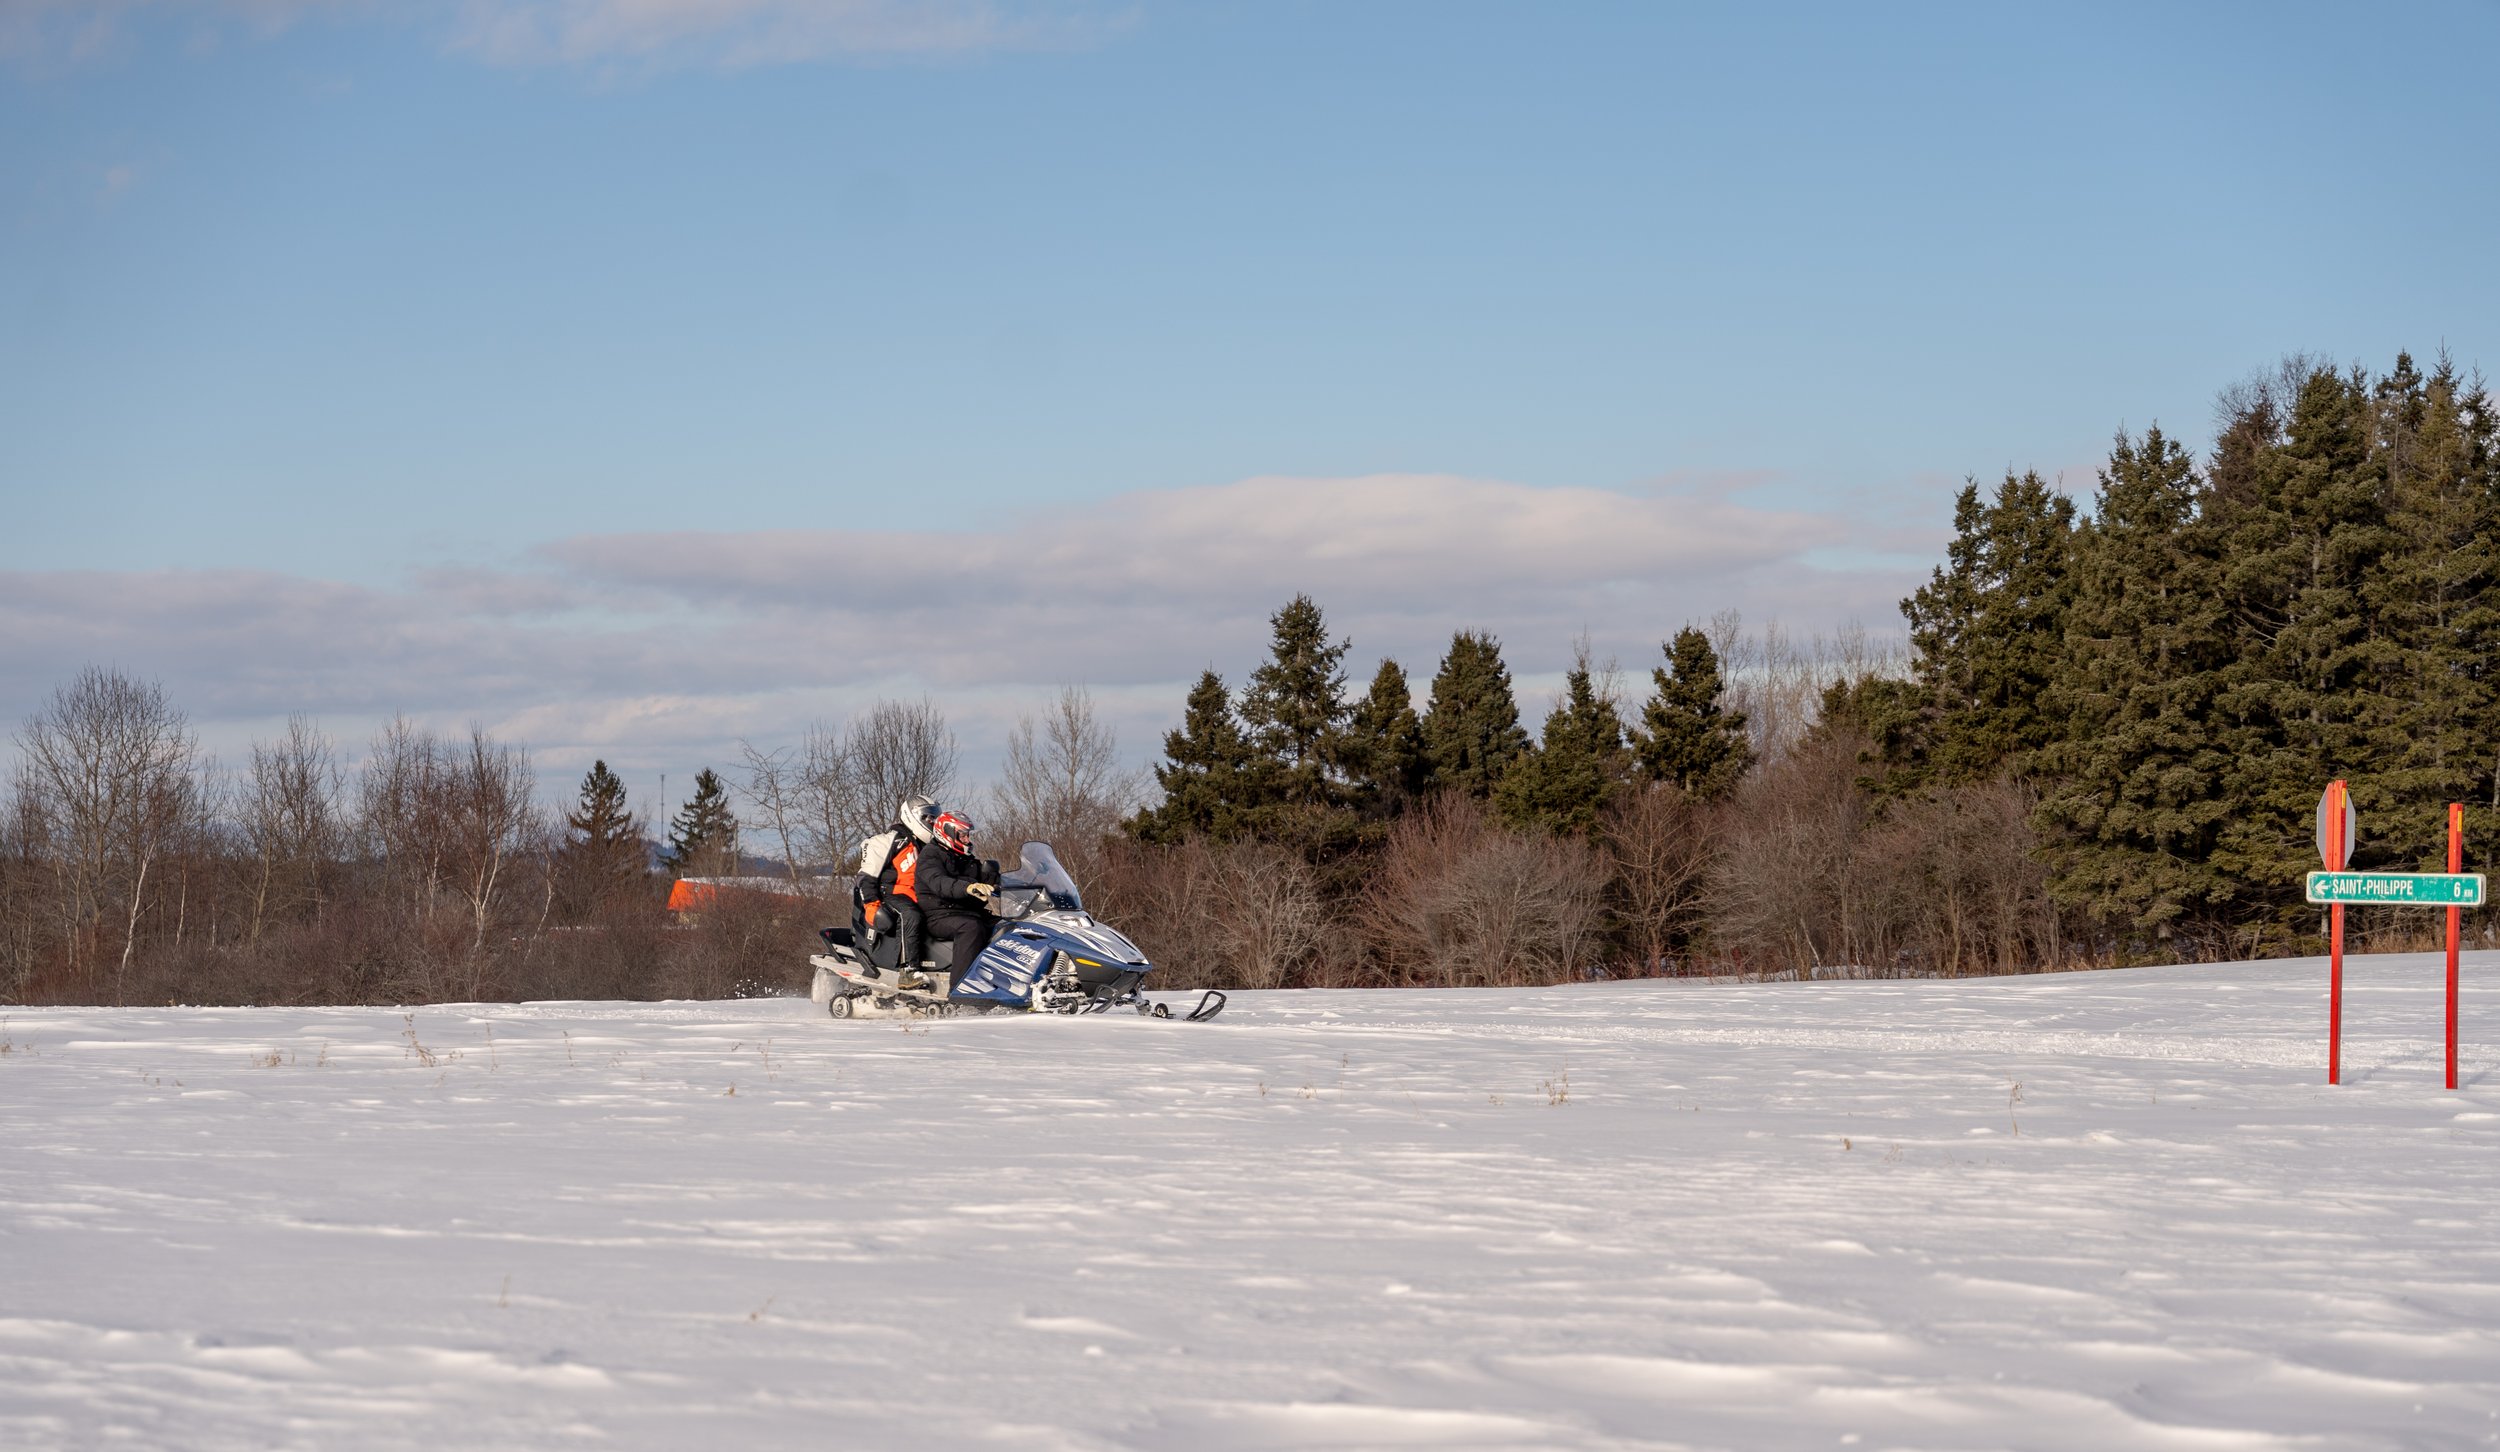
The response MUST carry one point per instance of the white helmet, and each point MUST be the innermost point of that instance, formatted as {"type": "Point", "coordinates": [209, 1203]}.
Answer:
{"type": "Point", "coordinates": [918, 815]}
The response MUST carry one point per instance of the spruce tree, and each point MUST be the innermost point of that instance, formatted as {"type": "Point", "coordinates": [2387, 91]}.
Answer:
{"type": "Point", "coordinates": [2295, 709]}
{"type": "Point", "coordinates": [2022, 619]}
{"type": "Point", "coordinates": [703, 839]}
{"type": "Point", "coordinates": [1294, 710]}
{"type": "Point", "coordinates": [2136, 799]}
{"type": "Point", "coordinates": [1562, 784]}
{"type": "Point", "coordinates": [603, 855]}
{"type": "Point", "coordinates": [1944, 617]}
{"type": "Point", "coordinates": [2436, 597]}
{"type": "Point", "coordinates": [1986, 632]}
{"type": "Point", "coordinates": [1204, 775]}
{"type": "Point", "coordinates": [1471, 724]}
{"type": "Point", "coordinates": [1685, 737]}
{"type": "Point", "coordinates": [1384, 745]}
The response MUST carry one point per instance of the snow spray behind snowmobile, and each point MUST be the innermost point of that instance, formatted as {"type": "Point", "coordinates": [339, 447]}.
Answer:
{"type": "Point", "coordinates": [1046, 954]}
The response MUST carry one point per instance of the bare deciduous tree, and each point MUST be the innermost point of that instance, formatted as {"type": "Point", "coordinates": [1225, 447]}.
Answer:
{"type": "Point", "coordinates": [1661, 843]}
{"type": "Point", "coordinates": [820, 799]}
{"type": "Point", "coordinates": [1061, 782]}
{"type": "Point", "coordinates": [448, 820]}
{"type": "Point", "coordinates": [1816, 878]}
{"type": "Point", "coordinates": [1778, 680]}
{"type": "Point", "coordinates": [774, 789]}
{"type": "Point", "coordinates": [112, 770]}
{"type": "Point", "coordinates": [399, 798]}
{"type": "Point", "coordinates": [289, 821]}
{"type": "Point", "coordinates": [898, 749]}
{"type": "Point", "coordinates": [828, 799]}
{"type": "Point", "coordinates": [22, 872]}
{"type": "Point", "coordinates": [1216, 915]}
{"type": "Point", "coordinates": [1461, 900]}
{"type": "Point", "coordinates": [491, 819]}
{"type": "Point", "coordinates": [1785, 891]}
{"type": "Point", "coordinates": [1966, 857]}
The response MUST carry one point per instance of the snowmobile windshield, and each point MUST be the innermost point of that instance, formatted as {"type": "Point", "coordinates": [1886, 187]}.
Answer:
{"type": "Point", "coordinates": [1040, 869]}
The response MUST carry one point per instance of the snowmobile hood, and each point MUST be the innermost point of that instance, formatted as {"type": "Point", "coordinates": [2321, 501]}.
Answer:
{"type": "Point", "coordinates": [1009, 967]}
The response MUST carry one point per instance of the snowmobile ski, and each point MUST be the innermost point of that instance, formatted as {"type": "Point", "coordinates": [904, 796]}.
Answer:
{"type": "Point", "coordinates": [1210, 1004]}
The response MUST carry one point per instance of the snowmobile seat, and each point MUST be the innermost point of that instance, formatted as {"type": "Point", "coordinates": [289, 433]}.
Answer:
{"type": "Point", "coordinates": [888, 954]}
{"type": "Point", "coordinates": [874, 933]}
{"type": "Point", "coordinates": [885, 950]}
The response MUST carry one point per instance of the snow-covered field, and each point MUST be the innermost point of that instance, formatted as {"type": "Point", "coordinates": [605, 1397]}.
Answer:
{"type": "Point", "coordinates": [2112, 1210]}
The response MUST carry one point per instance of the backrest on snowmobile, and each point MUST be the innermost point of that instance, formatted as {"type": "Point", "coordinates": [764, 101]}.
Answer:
{"type": "Point", "coordinates": [874, 852]}
{"type": "Point", "coordinates": [870, 917]}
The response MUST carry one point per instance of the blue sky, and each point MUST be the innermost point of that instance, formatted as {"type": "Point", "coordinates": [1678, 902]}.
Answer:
{"type": "Point", "coordinates": [360, 357]}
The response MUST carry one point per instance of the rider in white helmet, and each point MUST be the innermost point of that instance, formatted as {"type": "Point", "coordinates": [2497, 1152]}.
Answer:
{"type": "Point", "coordinates": [892, 857]}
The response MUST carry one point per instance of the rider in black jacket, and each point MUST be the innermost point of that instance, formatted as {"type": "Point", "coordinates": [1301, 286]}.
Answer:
{"type": "Point", "coordinates": [955, 888]}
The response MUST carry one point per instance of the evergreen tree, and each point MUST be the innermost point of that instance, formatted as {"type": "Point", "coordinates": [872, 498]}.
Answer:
{"type": "Point", "coordinates": [2301, 544]}
{"type": "Point", "coordinates": [2137, 799]}
{"type": "Point", "coordinates": [1894, 721]}
{"type": "Point", "coordinates": [1986, 632]}
{"type": "Point", "coordinates": [1684, 736]}
{"type": "Point", "coordinates": [603, 855]}
{"type": "Point", "coordinates": [703, 840]}
{"type": "Point", "coordinates": [1944, 625]}
{"type": "Point", "coordinates": [1295, 711]}
{"type": "Point", "coordinates": [1562, 784]}
{"type": "Point", "coordinates": [1384, 744]}
{"type": "Point", "coordinates": [2436, 597]}
{"type": "Point", "coordinates": [1205, 774]}
{"type": "Point", "coordinates": [1471, 724]}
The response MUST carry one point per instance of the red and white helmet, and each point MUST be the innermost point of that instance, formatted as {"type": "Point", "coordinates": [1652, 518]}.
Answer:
{"type": "Point", "coordinates": [953, 829]}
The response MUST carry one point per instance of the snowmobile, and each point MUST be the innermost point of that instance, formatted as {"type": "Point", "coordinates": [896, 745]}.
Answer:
{"type": "Point", "coordinates": [1045, 954]}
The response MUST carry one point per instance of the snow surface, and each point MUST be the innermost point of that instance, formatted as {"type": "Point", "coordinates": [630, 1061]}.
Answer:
{"type": "Point", "coordinates": [2087, 1211]}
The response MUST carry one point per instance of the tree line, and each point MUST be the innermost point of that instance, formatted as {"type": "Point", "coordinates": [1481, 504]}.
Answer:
{"type": "Point", "coordinates": [2100, 744]}
{"type": "Point", "coordinates": [135, 869]}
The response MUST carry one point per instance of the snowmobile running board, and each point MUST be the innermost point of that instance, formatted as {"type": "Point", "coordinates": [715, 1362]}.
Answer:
{"type": "Point", "coordinates": [849, 991]}
{"type": "Point", "coordinates": [916, 1005]}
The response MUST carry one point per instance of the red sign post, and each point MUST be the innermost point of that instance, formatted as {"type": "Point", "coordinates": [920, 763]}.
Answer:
{"type": "Point", "coordinates": [2456, 863]}
{"type": "Point", "coordinates": [2337, 826]}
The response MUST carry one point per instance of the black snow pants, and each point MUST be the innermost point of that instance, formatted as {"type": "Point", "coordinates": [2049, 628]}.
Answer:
{"type": "Point", "coordinates": [911, 926]}
{"type": "Point", "coordinates": [968, 931]}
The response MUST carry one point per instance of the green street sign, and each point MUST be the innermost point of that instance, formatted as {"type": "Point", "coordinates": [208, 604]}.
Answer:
{"type": "Point", "coordinates": [2398, 889]}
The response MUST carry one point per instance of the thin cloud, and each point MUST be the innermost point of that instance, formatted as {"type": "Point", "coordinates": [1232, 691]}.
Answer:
{"type": "Point", "coordinates": [1379, 540]}
{"type": "Point", "coordinates": [734, 34]}
{"type": "Point", "coordinates": [77, 31]}
{"type": "Point", "coordinates": [683, 643]}
{"type": "Point", "coordinates": [645, 34]}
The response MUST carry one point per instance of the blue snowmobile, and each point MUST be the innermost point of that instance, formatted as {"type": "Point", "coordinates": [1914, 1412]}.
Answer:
{"type": "Point", "coordinates": [1045, 954]}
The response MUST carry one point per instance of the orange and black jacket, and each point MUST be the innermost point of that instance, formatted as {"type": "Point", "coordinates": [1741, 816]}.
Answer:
{"type": "Point", "coordinates": [901, 875]}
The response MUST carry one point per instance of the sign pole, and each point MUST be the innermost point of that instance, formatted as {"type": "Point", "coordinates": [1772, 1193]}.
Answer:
{"type": "Point", "coordinates": [2335, 998]}
{"type": "Point", "coordinates": [2456, 863]}
{"type": "Point", "coordinates": [2337, 853]}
